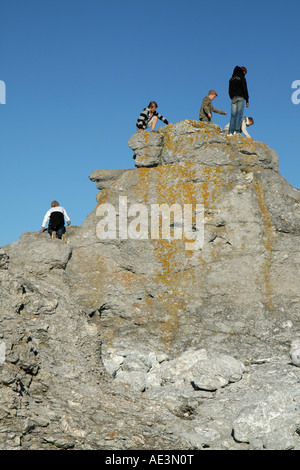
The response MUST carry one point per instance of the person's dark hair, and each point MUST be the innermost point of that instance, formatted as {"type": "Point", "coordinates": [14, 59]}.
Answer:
{"type": "Point", "coordinates": [152, 103]}
{"type": "Point", "coordinates": [251, 120]}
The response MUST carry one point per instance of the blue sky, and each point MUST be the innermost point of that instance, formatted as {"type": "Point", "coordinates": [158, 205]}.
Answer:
{"type": "Point", "coordinates": [78, 73]}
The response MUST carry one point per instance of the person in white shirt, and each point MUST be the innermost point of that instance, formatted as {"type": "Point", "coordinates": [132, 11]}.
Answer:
{"type": "Point", "coordinates": [55, 217]}
{"type": "Point", "coordinates": [246, 122]}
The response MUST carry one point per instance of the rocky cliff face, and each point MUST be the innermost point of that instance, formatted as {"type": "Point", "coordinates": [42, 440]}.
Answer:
{"type": "Point", "coordinates": [134, 335]}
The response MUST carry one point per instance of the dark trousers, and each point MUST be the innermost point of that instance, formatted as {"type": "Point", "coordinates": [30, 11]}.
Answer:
{"type": "Point", "coordinates": [59, 232]}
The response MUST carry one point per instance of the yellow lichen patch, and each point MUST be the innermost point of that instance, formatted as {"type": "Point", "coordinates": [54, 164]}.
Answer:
{"type": "Point", "coordinates": [212, 186]}
{"type": "Point", "coordinates": [170, 253]}
{"type": "Point", "coordinates": [104, 196]}
{"type": "Point", "coordinates": [249, 145]}
{"type": "Point", "coordinates": [142, 187]}
{"type": "Point", "coordinates": [179, 144]}
{"type": "Point", "coordinates": [125, 279]}
{"type": "Point", "coordinates": [145, 136]}
{"type": "Point", "coordinates": [176, 184]}
{"type": "Point", "coordinates": [268, 239]}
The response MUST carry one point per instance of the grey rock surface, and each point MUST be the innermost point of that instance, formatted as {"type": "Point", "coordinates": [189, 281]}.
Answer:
{"type": "Point", "coordinates": [140, 343]}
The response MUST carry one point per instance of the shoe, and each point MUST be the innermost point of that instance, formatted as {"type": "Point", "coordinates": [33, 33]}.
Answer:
{"type": "Point", "coordinates": [53, 235]}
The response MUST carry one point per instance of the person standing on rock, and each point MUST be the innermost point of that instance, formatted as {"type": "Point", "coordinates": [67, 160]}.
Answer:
{"type": "Point", "coordinates": [148, 118]}
{"type": "Point", "coordinates": [238, 92]}
{"type": "Point", "coordinates": [55, 217]}
{"type": "Point", "coordinates": [207, 108]}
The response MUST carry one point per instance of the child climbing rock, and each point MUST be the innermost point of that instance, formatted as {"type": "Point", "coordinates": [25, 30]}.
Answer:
{"type": "Point", "coordinates": [55, 217]}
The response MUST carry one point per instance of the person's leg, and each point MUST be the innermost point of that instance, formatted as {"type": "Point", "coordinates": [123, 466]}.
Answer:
{"type": "Point", "coordinates": [237, 111]}
{"type": "Point", "coordinates": [233, 116]}
{"type": "Point", "coordinates": [240, 114]}
{"type": "Point", "coordinates": [207, 120]}
{"type": "Point", "coordinates": [153, 122]}
{"type": "Point", "coordinates": [60, 232]}
{"type": "Point", "coordinates": [226, 129]}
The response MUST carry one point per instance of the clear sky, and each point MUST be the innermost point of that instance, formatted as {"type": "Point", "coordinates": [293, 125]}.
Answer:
{"type": "Point", "coordinates": [77, 74]}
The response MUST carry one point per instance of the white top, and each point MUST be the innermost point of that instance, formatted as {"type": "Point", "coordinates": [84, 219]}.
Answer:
{"type": "Point", "coordinates": [244, 125]}
{"type": "Point", "coordinates": [56, 209]}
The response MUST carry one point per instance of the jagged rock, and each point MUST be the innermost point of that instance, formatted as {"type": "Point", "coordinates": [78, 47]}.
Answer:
{"type": "Point", "coordinates": [147, 148]}
{"type": "Point", "coordinates": [295, 352]}
{"type": "Point", "coordinates": [271, 424]}
{"type": "Point", "coordinates": [245, 277]}
{"type": "Point", "coordinates": [174, 381]}
{"type": "Point", "coordinates": [135, 341]}
{"type": "Point", "coordinates": [105, 178]}
{"type": "Point", "coordinates": [196, 141]}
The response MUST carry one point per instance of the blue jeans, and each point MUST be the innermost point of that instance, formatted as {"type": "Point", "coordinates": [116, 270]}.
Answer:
{"type": "Point", "coordinates": [237, 111]}
{"type": "Point", "coordinates": [59, 232]}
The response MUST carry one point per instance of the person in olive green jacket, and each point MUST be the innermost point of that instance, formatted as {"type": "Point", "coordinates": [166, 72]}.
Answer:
{"type": "Point", "coordinates": [207, 108]}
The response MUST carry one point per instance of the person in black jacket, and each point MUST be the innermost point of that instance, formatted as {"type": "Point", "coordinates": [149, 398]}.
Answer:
{"type": "Point", "coordinates": [238, 92]}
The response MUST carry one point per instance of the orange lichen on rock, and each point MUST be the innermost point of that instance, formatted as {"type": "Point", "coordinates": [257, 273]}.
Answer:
{"type": "Point", "coordinates": [268, 240]}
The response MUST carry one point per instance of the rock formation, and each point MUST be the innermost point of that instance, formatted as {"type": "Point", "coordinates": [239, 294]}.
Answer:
{"type": "Point", "coordinates": [183, 334]}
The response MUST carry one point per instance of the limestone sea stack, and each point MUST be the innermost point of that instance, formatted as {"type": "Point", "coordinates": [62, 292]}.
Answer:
{"type": "Point", "coordinates": [170, 319]}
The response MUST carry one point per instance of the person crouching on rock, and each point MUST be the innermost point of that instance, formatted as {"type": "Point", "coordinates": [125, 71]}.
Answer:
{"type": "Point", "coordinates": [246, 122]}
{"type": "Point", "coordinates": [55, 217]}
{"type": "Point", "coordinates": [207, 108]}
{"type": "Point", "coordinates": [148, 118]}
